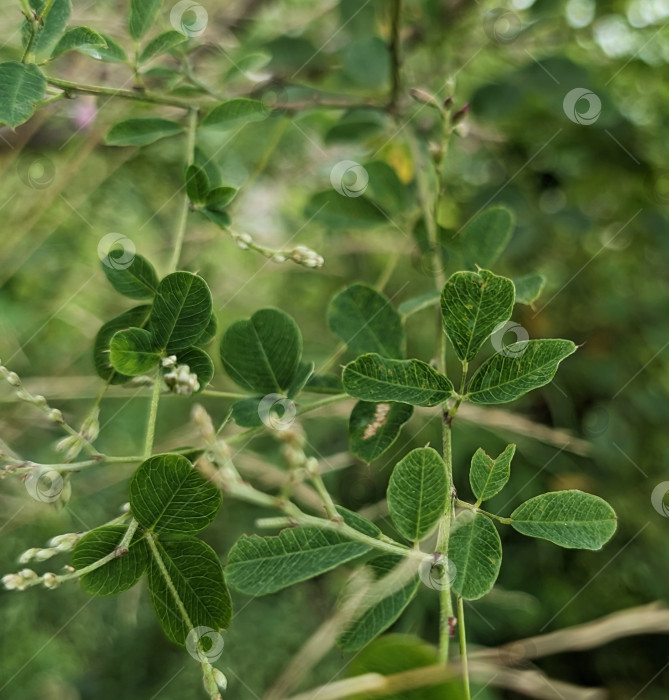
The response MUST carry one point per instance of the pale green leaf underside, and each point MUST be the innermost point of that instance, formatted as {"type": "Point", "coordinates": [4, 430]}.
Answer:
{"type": "Point", "coordinates": [417, 493]}
{"type": "Point", "coordinates": [76, 38]}
{"type": "Point", "coordinates": [181, 311]}
{"type": "Point", "coordinates": [524, 366]}
{"type": "Point", "coordinates": [263, 565]}
{"type": "Point", "coordinates": [161, 44]}
{"type": "Point", "coordinates": [364, 319]}
{"type": "Point", "coordinates": [374, 427]}
{"type": "Point", "coordinates": [472, 306]}
{"type": "Point", "coordinates": [23, 87]}
{"type": "Point", "coordinates": [141, 131]}
{"type": "Point", "coordinates": [132, 352]}
{"type": "Point", "coordinates": [476, 550]}
{"type": "Point", "coordinates": [488, 476]}
{"type": "Point", "coordinates": [529, 288]}
{"type": "Point", "coordinates": [169, 496]}
{"type": "Point", "coordinates": [263, 353]}
{"type": "Point", "coordinates": [120, 573]}
{"type": "Point", "coordinates": [381, 615]}
{"type": "Point", "coordinates": [196, 573]}
{"type": "Point", "coordinates": [375, 378]}
{"type": "Point", "coordinates": [234, 113]}
{"type": "Point", "coordinates": [571, 519]}
{"type": "Point", "coordinates": [142, 16]}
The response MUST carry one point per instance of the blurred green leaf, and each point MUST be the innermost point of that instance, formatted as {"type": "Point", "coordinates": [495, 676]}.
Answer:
{"type": "Point", "coordinates": [529, 288]}
{"type": "Point", "coordinates": [23, 88]}
{"type": "Point", "coordinates": [197, 184]}
{"type": "Point", "coordinates": [220, 197]}
{"type": "Point", "coordinates": [418, 303]}
{"type": "Point", "coordinates": [113, 53]}
{"type": "Point", "coordinates": [76, 38]}
{"type": "Point", "coordinates": [54, 17]}
{"type": "Point", "coordinates": [486, 236]}
{"type": "Point", "coordinates": [570, 519]}
{"type": "Point", "coordinates": [141, 132]}
{"type": "Point", "coordinates": [339, 211]}
{"type": "Point", "coordinates": [142, 17]}
{"type": "Point", "coordinates": [161, 44]}
{"type": "Point", "coordinates": [236, 112]}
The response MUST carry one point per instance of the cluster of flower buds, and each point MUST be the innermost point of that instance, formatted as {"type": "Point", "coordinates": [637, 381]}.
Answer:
{"type": "Point", "coordinates": [20, 581]}
{"type": "Point", "coordinates": [13, 379]}
{"type": "Point", "coordinates": [305, 256]}
{"type": "Point", "coordinates": [56, 545]}
{"type": "Point", "coordinates": [180, 380]}
{"type": "Point", "coordinates": [292, 450]}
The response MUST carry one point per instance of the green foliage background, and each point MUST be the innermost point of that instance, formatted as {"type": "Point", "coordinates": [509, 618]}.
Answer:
{"type": "Point", "coordinates": [592, 208]}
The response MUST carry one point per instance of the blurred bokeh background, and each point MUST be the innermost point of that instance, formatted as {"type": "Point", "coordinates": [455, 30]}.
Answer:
{"type": "Point", "coordinates": [592, 206]}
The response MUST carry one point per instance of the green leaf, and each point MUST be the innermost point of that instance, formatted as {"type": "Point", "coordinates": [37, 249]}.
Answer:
{"type": "Point", "coordinates": [233, 113]}
{"type": "Point", "coordinates": [521, 367]}
{"type": "Point", "coordinates": [374, 427]}
{"type": "Point", "coordinates": [337, 211]}
{"type": "Point", "coordinates": [245, 412]}
{"type": "Point", "coordinates": [169, 496]}
{"type": "Point", "coordinates": [23, 87]}
{"type": "Point", "coordinates": [263, 353]}
{"type": "Point", "coordinates": [181, 311]}
{"type": "Point", "coordinates": [141, 132]}
{"type": "Point", "coordinates": [196, 574]}
{"type": "Point", "coordinates": [473, 304]}
{"type": "Point", "coordinates": [137, 281]}
{"type": "Point", "coordinates": [209, 333]}
{"type": "Point", "coordinates": [133, 318]}
{"type": "Point", "coordinates": [529, 288]}
{"type": "Point", "coordinates": [375, 378]}
{"type": "Point", "coordinates": [324, 384]}
{"type": "Point", "coordinates": [422, 301]}
{"type": "Point", "coordinates": [54, 18]}
{"type": "Point", "coordinates": [380, 616]}
{"type": "Point", "coordinates": [486, 236]}
{"type": "Point", "coordinates": [120, 573]}
{"type": "Point", "coordinates": [262, 565]}
{"type": "Point", "coordinates": [143, 15]}
{"type": "Point", "coordinates": [132, 352]}
{"type": "Point", "coordinates": [488, 476]}
{"type": "Point", "coordinates": [197, 184]}
{"type": "Point", "coordinates": [161, 44]}
{"type": "Point", "coordinates": [113, 53]}
{"type": "Point", "coordinates": [199, 363]}
{"type": "Point", "coordinates": [301, 377]}
{"type": "Point", "coordinates": [220, 218]}
{"type": "Point", "coordinates": [395, 653]}
{"type": "Point", "coordinates": [417, 493]}
{"type": "Point", "coordinates": [220, 197]}
{"type": "Point", "coordinates": [570, 519]}
{"type": "Point", "coordinates": [358, 522]}
{"type": "Point", "coordinates": [76, 38]}
{"type": "Point", "coordinates": [475, 549]}
{"type": "Point", "coordinates": [364, 319]}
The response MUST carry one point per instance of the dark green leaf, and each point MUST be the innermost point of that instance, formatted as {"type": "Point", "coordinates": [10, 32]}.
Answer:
{"type": "Point", "coordinates": [169, 496]}
{"type": "Point", "coordinates": [417, 493]}
{"type": "Point", "coordinates": [141, 132]}
{"type": "Point", "coordinates": [375, 378]}
{"type": "Point", "coordinates": [380, 616]}
{"type": "Point", "coordinates": [519, 368]}
{"type": "Point", "coordinates": [209, 333]}
{"type": "Point", "coordinates": [358, 522]}
{"type": "Point", "coordinates": [161, 44]}
{"type": "Point", "coordinates": [374, 427]}
{"type": "Point", "coordinates": [245, 412]}
{"type": "Point", "coordinates": [570, 519]}
{"type": "Point", "coordinates": [529, 288]}
{"type": "Point", "coordinates": [54, 18]}
{"type": "Point", "coordinates": [197, 576]}
{"type": "Point", "coordinates": [143, 15]}
{"type": "Point", "coordinates": [76, 38]}
{"type": "Point", "coordinates": [197, 184]}
{"type": "Point", "coordinates": [120, 573]}
{"type": "Point", "coordinates": [262, 565]}
{"type": "Point", "coordinates": [304, 372]}
{"type": "Point", "coordinates": [137, 281]}
{"type": "Point", "coordinates": [337, 211]}
{"type": "Point", "coordinates": [132, 352]}
{"type": "Point", "coordinates": [364, 319]}
{"type": "Point", "coordinates": [220, 218]}
{"type": "Point", "coordinates": [23, 87]}
{"type": "Point", "coordinates": [220, 197]}
{"type": "Point", "coordinates": [199, 363]}
{"type": "Point", "coordinates": [233, 113]}
{"type": "Point", "coordinates": [181, 311]}
{"type": "Point", "coordinates": [473, 304]}
{"type": "Point", "coordinates": [488, 476]}
{"type": "Point", "coordinates": [263, 353]}
{"type": "Point", "coordinates": [475, 549]}
{"type": "Point", "coordinates": [324, 384]}
{"type": "Point", "coordinates": [486, 236]}
{"type": "Point", "coordinates": [133, 318]}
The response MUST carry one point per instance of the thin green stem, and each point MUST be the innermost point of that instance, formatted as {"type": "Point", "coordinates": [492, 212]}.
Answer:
{"type": "Point", "coordinates": [469, 506]}
{"type": "Point", "coordinates": [463, 647]}
{"type": "Point", "coordinates": [153, 413]}
{"type": "Point", "coordinates": [223, 394]}
{"type": "Point", "coordinates": [69, 466]}
{"type": "Point", "coordinates": [321, 489]}
{"type": "Point", "coordinates": [183, 218]}
{"type": "Point", "coordinates": [394, 49]}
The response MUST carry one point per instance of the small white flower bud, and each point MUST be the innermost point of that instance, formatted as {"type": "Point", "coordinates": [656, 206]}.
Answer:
{"type": "Point", "coordinates": [55, 415]}
{"type": "Point", "coordinates": [12, 582]}
{"type": "Point", "coordinates": [125, 508]}
{"type": "Point", "coordinates": [27, 574]}
{"type": "Point", "coordinates": [66, 542]}
{"type": "Point", "coordinates": [22, 394]}
{"type": "Point", "coordinates": [39, 400]}
{"type": "Point", "coordinates": [28, 555]}
{"type": "Point", "coordinates": [44, 554]}
{"type": "Point", "coordinates": [91, 426]}
{"type": "Point", "coordinates": [13, 379]}
{"type": "Point", "coordinates": [50, 580]}
{"type": "Point", "coordinates": [279, 257]}
{"type": "Point", "coordinates": [169, 361]}
{"type": "Point", "coordinates": [311, 465]}
{"type": "Point", "coordinates": [221, 680]}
